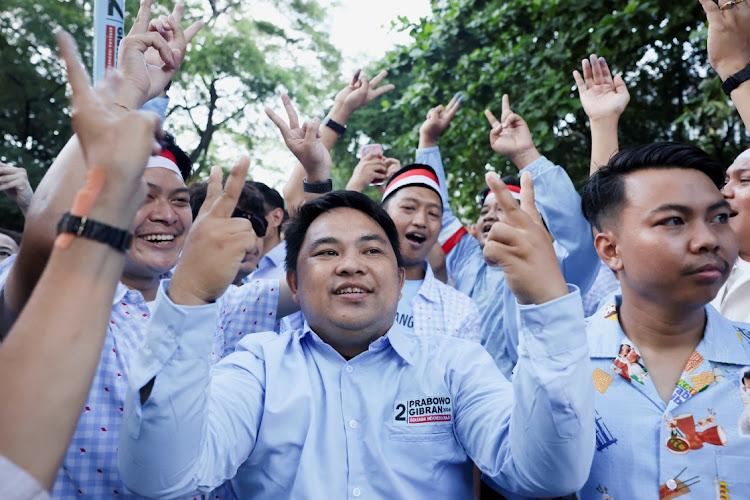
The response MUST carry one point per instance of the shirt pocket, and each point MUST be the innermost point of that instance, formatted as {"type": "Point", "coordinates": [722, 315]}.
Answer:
{"type": "Point", "coordinates": [732, 474]}
{"type": "Point", "coordinates": [415, 433]}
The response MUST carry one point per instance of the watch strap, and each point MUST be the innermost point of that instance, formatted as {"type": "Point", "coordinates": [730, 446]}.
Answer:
{"type": "Point", "coordinates": [335, 126]}
{"type": "Point", "coordinates": [119, 239]}
{"type": "Point", "coordinates": [735, 80]}
{"type": "Point", "coordinates": [325, 186]}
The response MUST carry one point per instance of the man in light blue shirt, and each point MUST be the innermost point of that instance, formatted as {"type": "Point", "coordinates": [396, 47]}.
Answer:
{"type": "Point", "coordinates": [350, 406]}
{"type": "Point", "coordinates": [672, 400]}
{"type": "Point", "coordinates": [557, 201]}
{"type": "Point", "coordinates": [271, 265]}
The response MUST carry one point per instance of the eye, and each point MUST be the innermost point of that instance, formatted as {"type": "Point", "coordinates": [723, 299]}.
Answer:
{"type": "Point", "coordinates": [5, 253]}
{"type": "Point", "coordinates": [672, 221]}
{"type": "Point", "coordinates": [744, 180]}
{"type": "Point", "coordinates": [434, 215]}
{"type": "Point", "coordinates": [407, 208]}
{"type": "Point", "coordinates": [374, 251]}
{"type": "Point", "coordinates": [326, 253]}
{"type": "Point", "coordinates": [721, 218]}
{"type": "Point", "coordinates": [182, 201]}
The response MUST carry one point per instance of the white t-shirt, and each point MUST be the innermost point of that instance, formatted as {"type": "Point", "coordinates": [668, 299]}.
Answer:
{"type": "Point", "coordinates": [405, 312]}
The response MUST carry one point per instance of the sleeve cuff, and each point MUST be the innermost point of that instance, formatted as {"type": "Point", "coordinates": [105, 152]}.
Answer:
{"type": "Point", "coordinates": [538, 166]}
{"type": "Point", "coordinates": [554, 327]}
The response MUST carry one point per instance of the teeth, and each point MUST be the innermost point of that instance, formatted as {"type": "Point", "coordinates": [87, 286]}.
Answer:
{"type": "Point", "coordinates": [350, 290]}
{"type": "Point", "coordinates": [159, 237]}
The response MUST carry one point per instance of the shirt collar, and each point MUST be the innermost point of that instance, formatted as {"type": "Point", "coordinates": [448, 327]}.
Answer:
{"type": "Point", "coordinates": [277, 254]}
{"type": "Point", "coordinates": [400, 341]}
{"type": "Point", "coordinates": [429, 287]}
{"type": "Point", "coordinates": [723, 341]}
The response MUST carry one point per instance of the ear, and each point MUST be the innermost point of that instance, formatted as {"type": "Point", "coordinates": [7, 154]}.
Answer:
{"type": "Point", "coordinates": [291, 280]}
{"type": "Point", "coordinates": [275, 217]}
{"type": "Point", "coordinates": [606, 244]}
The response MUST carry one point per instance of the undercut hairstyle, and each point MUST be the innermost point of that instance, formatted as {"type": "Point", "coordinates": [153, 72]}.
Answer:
{"type": "Point", "coordinates": [272, 198]}
{"type": "Point", "coordinates": [603, 195]}
{"type": "Point", "coordinates": [250, 199]}
{"type": "Point", "coordinates": [183, 161]}
{"type": "Point", "coordinates": [307, 213]}
{"type": "Point", "coordinates": [509, 180]}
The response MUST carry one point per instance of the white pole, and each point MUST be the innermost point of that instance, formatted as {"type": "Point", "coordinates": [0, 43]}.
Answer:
{"type": "Point", "coordinates": [109, 28]}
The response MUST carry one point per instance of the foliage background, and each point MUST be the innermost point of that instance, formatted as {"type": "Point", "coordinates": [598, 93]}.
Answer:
{"type": "Point", "coordinates": [249, 51]}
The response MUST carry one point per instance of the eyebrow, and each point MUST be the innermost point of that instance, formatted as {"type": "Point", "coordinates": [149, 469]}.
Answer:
{"type": "Point", "coordinates": [428, 203]}
{"type": "Point", "coordinates": [674, 207]}
{"type": "Point", "coordinates": [9, 249]}
{"type": "Point", "coordinates": [330, 240]}
{"type": "Point", "coordinates": [159, 189]}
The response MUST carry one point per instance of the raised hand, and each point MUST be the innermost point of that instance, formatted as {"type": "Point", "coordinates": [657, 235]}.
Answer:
{"type": "Point", "coordinates": [510, 136]}
{"type": "Point", "coordinates": [151, 54]}
{"type": "Point", "coordinates": [200, 279]}
{"type": "Point", "coordinates": [728, 36]}
{"type": "Point", "coordinates": [602, 96]}
{"type": "Point", "coordinates": [370, 169]}
{"type": "Point", "coordinates": [111, 138]}
{"type": "Point", "coordinates": [522, 247]}
{"type": "Point", "coordinates": [15, 183]}
{"type": "Point", "coordinates": [438, 119]}
{"type": "Point", "coordinates": [361, 91]}
{"type": "Point", "coordinates": [304, 142]}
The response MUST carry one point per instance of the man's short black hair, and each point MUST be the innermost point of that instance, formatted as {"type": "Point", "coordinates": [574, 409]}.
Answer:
{"type": "Point", "coordinates": [604, 192]}
{"type": "Point", "coordinates": [272, 198]}
{"type": "Point", "coordinates": [183, 161]}
{"type": "Point", "coordinates": [250, 199]}
{"type": "Point", "coordinates": [509, 180]}
{"type": "Point", "coordinates": [307, 213]}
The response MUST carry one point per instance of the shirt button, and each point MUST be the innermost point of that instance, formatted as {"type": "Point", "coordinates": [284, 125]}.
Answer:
{"type": "Point", "coordinates": [356, 492]}
{"type": "Point", "coordinates": [671, 485]}
{"type": "Point", "coordinates": [349, 369]}
{"type": "Point", "coordinates": [353, 424]}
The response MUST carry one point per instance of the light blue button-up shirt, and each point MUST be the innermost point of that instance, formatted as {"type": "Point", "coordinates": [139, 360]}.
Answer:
{"type": "Point", "coordinates": [272, 265]}
{"type": "Point", "coordinates": [287, 416]}
{"type": "Point", "coordinates": [697, 445]}
{"type": "Point", "coordinates": [560, 206]}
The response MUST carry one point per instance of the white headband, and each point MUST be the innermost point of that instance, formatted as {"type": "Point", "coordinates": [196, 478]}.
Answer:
{"type": "Point", "coordinates": [163, 162]}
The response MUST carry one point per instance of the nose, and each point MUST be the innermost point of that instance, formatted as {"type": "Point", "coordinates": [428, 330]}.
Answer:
{"type": "Point", "coordinates": [728, 189]}
{"type": "Point", "coordinates": [350, 264]}
{"type": "Point", "coordinates": [704, 239]}
{"type": "Point", "coordinates": [420, 218]}
{"type": "Point", "coordinates": [163, 212]}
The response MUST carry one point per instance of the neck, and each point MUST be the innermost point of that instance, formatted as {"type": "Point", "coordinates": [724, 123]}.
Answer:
{"type": "Point", "coordinates": [148, 286]}
{"type": "Point", "coordinates": [415, 271]}
{"type": "Point", "coordinates": [654, 326]}
{"type": "Point", "coordinates": [271, 240]}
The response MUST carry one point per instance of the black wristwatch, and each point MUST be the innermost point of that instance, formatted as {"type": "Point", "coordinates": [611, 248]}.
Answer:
{"type": "Point", "coordinates": [317, 187]}
{"type": "Point", "coordinates": [119, 239]}
{"type": "Point", "coordinates": [335, 126]}
{"type": "Point", "coordinates": [735, 80]}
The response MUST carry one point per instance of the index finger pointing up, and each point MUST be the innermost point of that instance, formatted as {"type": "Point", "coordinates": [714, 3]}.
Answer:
{"type": "Point", "coordinates": [224, 206]}
{"type": "Point", "coordinates": [507, 203]}
{"type": "Point", "coordinates": [77, 76]}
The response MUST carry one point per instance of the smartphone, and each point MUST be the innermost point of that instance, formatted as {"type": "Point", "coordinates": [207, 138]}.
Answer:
{"type": "Point", "coordinates": [370, 149]}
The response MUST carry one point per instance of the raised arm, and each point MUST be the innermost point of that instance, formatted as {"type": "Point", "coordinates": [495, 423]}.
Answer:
{"type": "Point", "coordinates": [49, 358]}
{"type": "Point", "coordinates": [358, 93]}
{"type": "Point", "coordinates": [552, 391]}
{"type": "Point", "coordinates": [556, 197]}
{"type": "Point", "coordinates": [729, 47]}
{"type": "Point", "coordinates": [147, 62]}
{"type": "Point", "coordinates": [603, 99]}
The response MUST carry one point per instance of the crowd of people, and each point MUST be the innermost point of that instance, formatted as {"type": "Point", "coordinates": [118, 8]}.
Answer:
{"type": "Point", "coordinates": [169, 338]}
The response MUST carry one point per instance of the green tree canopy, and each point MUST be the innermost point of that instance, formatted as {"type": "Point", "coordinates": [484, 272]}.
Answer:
{"type": "Point", "coordinates": [528, 49]}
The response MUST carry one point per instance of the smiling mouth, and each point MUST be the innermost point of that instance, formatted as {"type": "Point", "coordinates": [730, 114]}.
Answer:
{"type": "Point", "coordinates": [351, 290]}
{"type": "Point", "coordinates": [159, 239]}
{"type": "Point", "coordinates": [416, 237]}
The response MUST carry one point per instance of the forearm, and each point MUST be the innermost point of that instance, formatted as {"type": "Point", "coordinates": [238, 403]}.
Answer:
{"type": "Point", "coordinates": [604, 142]}
{"type": "Point", "coordinates": [741, 99]}
{"type": "Point", "coordinates": [560, 205]}
{"type": "Point", "coordinates": [53, 197]}
{"type": "Point", "coordinates": [553, 396]}
{"type": "Point", "coordinates": [50, 356]}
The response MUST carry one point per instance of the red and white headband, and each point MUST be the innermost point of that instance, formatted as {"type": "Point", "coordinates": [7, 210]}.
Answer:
{"type": "Point", "coordinates": [165, 159]}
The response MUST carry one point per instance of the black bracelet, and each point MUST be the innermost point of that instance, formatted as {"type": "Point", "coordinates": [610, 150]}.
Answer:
{"type": "Point", "coordinates": [735, 80]}
{"type": "Point", "coordinates": [335, 126]}
{"type": "Point", "coordinates": [119, 239]}
{"type": "Point", "coordinates": [317, 187]}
